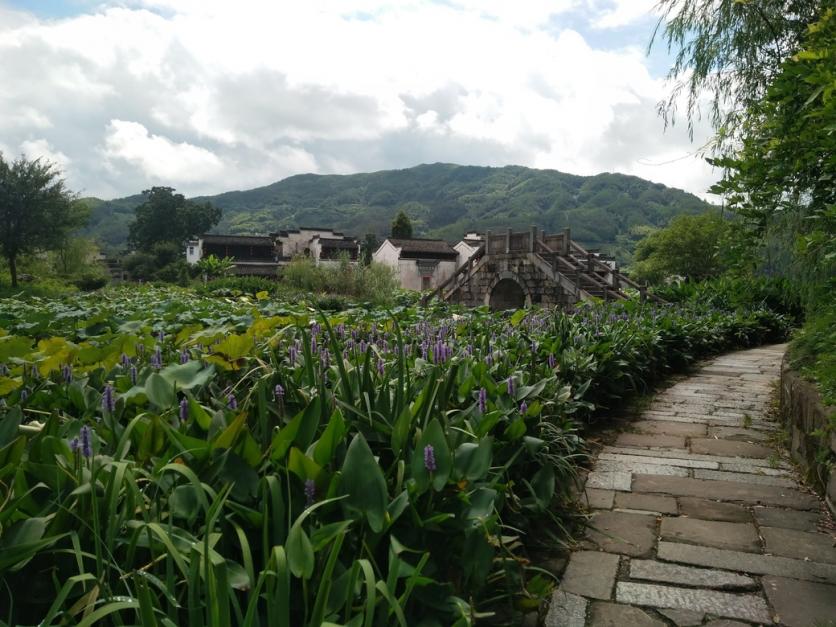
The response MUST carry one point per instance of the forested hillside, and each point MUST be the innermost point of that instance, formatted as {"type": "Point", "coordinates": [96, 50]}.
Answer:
{"type": "Point", "coordinates": [443, 200]}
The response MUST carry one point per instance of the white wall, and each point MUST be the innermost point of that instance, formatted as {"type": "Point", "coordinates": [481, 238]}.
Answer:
{"type": "Point", "coordinates": [194, 251]}
{"type": "Point", "coordinates": [465, 251]}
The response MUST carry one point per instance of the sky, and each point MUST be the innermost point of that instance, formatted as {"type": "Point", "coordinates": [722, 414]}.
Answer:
{"type": "Point", "coordinates": [209, 96]}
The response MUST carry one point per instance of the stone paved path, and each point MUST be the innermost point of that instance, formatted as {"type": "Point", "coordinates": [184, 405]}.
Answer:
{"type": "Point", "coordinates": [695, 519]}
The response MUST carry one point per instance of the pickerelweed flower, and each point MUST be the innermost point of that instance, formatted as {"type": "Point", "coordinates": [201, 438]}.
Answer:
{"type": "Point", "coordinates": [510, 386]}
{"type": "Point", "coordinates": [124, 360]}
{"type": "Point", "coordinates": [380, 367]}
{"type": "Point", "coordinates": [310, 492]}
{"type": "Point", "coordinates": [523, 408]}
{"type": "Point", "coordinates": [429, 458]}
{"type": "Point", "coordinates": [231, 402]}
{"type": "Point", "coordinates": [313, 344]}
{"type": "Point", "coordinates": [108, 400]}
{"type": "Point", "coordinates": [24, 394]}
{"type": "Point", "coordinates": [133, 375]}
{"type": "Point", "coordinates": [157, 358]}
{"type": "Point", "coordinates": [67, 373]}
{"type": "Point", "coordinates": [552, 361]}
{"type": "Point", "coordinates": [161, 336]}
{"type": "Point", "coordinates": [86, 441]}
{"type": "Point", "coordinates": [184, 410]}
{"type": "Point", "coordinates": [75, 445]}
{"type": "Point", "coordinates": [184, 356]}
{"type": "Point", "coordinates": [278, 392]}
{"type": "Point", "coordinates": [483, 400]}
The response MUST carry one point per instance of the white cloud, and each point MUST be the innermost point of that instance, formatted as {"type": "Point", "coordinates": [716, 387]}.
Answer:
{"type": "Point", "coordinates": [157, 156]}
{"type": "Point", "coordinates": [620, 13]}
{"type": "Point", "coordinates": [209, 95]}
{"type": "Point", "coordinates": [41, 148]}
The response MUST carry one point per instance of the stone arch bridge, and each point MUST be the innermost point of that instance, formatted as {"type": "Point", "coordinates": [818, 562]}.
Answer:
{"type": "Point", "coordinates": [512, 270]}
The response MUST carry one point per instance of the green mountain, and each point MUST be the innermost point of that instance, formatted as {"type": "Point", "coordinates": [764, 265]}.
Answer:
{"type": "Point", "coordinates": [605, 211]}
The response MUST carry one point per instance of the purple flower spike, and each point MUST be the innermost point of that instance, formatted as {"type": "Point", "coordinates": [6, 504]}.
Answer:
{"type": "Point", "coordinates": [108, 401]}
{"type": "Point", "coordinates": [380, 367]}
{"type": "Point", "coordinates": [75, 445]}
{"type": "Point", "coordinates": [310, 492]}
{"type": "Point", "coordinates": [231, 402]}
{"type": "Point", "coordinates": [483, 400]}
{"type": "Point", "coordinates": [429, 458]}
{"type": "Point", "coordinates": [184, 410]}
{"type": "Point", "coordinates": [86, 441]}
{"type": "Point", "coordinates": [510, 386]}
{"type": "Point", "coordinates": [133, 375]}
{"type": "Point", "coordinates": [552, 361]}
{"type": "Point", "coordinates": [67, 373]}
{"type": "Point", "coordinates": [278, 392]}
{"type": "Point", "coordinates": [523, 408]}
{"type": "Point", "coordinates": [184, 356]}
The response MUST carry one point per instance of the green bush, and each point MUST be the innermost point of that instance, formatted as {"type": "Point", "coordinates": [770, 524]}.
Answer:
{"type": "Point", "coordinates": [237, 286]}
{"type": "Point", "coordinates": [374, 282]}
{"type": "Point", "coordinates": [90, 282]}
{"type": "Point", "coordinates": [813, 351]}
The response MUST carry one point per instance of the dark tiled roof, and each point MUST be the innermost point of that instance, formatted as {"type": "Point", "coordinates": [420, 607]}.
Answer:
{"type": "Point", "coordinates": [242, 240]}
{"type": "Point", "coordinates": [327, 242]}
{"type": "Point", "coordinates": [434, 248]}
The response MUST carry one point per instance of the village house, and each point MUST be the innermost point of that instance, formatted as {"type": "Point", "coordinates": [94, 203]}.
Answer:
{"type": "Point", "coordinates": [262, 255]}
{"type": "Point", "coordinates": [420, 264]}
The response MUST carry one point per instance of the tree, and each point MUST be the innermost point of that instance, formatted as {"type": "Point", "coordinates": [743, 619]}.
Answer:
{"type": "Point", "coordinates": [730, 51]}
{"type": "Point", "coordinates": [36, 209]}
{"type": "Point", "coordinates": [169, 217]}
{"type": "Point", "coordinates": [402, 226]}
{"type": "Point", "coordinates": [689, 247]}
{"type": "Point", "coordinates": [212, 267]}
{"type": "Point", "coordinates": [367, 248]}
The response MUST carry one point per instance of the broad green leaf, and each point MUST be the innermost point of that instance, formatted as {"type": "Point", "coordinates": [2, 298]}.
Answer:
{"type": "Point", "coordinates": [159, 391]}
{"type": "Point", "coordinates": [364, 484]}
{"type": "Point", "coordinates": [472, 461]}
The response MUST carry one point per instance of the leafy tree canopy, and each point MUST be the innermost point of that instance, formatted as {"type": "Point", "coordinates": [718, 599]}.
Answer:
{"type": "Point", "coordinates": [36, 209]}
{"type": "Point", "coordinates": [689, 247]}
{"type": "Point", "coordinates": [402, 226]}
{"type": "Point", "coordinates": [169, 217]}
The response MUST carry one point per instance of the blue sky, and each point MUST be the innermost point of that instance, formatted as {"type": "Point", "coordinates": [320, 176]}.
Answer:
{"type": "Point", "coordinates": [211, 95]}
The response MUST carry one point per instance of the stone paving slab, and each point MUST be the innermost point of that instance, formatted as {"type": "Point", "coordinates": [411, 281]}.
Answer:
{"type": "Point", "coordinates": [683, 618]}
{"type": "Point", "coordinates": [800, 603]}
{"type": "Point", "coordinates": [609, 480]}
{"type": "Point", "coordinates": [605, 614]}
{"type": "Point", "coordinates": [799, 544]}
{"type": "Point", "coordinates": [645, 469]}
{"type": "Point", "coordinates": [652, 570]}
{"type": "Point", "coordinates": [786, 518]}
{"type": "Point", "coordinates": [650, 441]}
{"type": "Point", "coordinates": [729, 448]}
{"type": "Point", "coordinates": [660, 461]}
{"type": "Point", "coordinates": [751, 563]}
{"type": "Point", "coordinates": [646, 502]}
{"type": "Point", "coordinates": [566, 610]}
{"type": "Point", "coordinates": [590, 574]}
{"type": "Point", "coordinates": [743, 477]}
{"type": "Point", "coordinates": [619, 532]}
{"type": "Point", "coordinates": [598, 499]}
{"type": "Point", "coordinates": [720, 535]}
{"type": "Point", "coordinates": [712, 510]}
{"type": "Point", "coordinates": [662, 453]}
{"type": "Point", "coordinates": [670, 428]}
{"type": "Point", "coordinates": [734, 491]}
{"type": "Point", "coordinates": [743, 606]}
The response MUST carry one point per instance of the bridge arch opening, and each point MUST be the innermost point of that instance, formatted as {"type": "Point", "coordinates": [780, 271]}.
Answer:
{"type": "Point", "coordinates": [507, 294]}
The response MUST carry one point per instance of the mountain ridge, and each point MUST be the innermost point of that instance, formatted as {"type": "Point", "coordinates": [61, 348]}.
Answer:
{"type": "Point", "coordinates": [605, 210]}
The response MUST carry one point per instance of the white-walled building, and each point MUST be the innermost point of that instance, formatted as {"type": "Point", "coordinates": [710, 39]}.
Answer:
{"type": "Point", "coordinates": [421, 264]}
{"type": "Point", "coordinates": [467, 247]}
{"type": "Point", "coordinates": [293, 242]}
